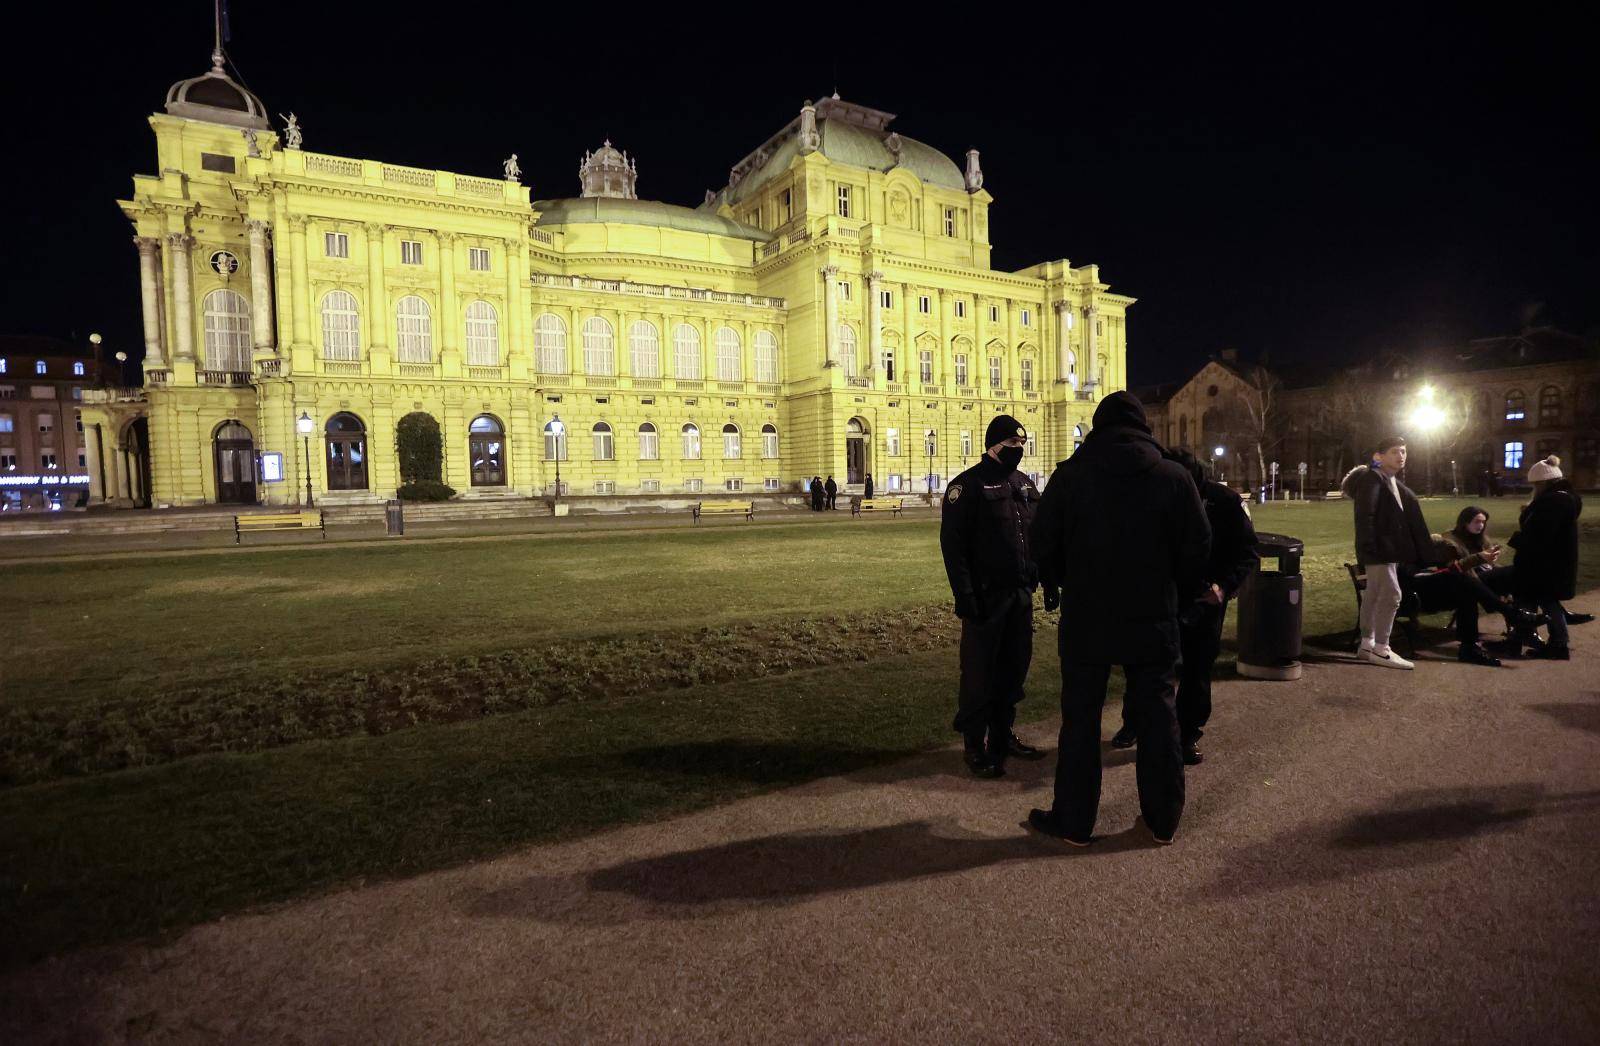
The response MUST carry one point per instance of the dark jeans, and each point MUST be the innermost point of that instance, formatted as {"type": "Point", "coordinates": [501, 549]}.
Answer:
{"type": "Point", "coordinates": [996, 650]}
{"type": "Point", "coordinates": [1152, 694]}
{"type": "Point", "coordinates": [1200, 636]}
{"type": "Point", "coordinates": [1464, 593]}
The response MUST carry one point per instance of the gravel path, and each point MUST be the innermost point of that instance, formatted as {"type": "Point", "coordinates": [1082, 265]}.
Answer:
{"type": "Point", "coordinates": [1367, 855]}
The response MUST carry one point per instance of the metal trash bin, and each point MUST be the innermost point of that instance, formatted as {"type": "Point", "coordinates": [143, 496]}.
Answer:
{"type": "Point", "coordinates": [394, 518]}
{"type": "Point", "coordinates": [1271, 610]}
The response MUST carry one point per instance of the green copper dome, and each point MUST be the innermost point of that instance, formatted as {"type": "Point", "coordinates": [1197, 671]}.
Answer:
{"type": "Point", "coordinates": [619, 211]}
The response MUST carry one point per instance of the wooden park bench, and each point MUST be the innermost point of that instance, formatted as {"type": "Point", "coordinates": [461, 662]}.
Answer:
{"type": "Point", "coordinates": [1409, 616]}
{"type": "Point", "coordinates": [278, 521]}
{"type": "Point", "coordinates": [860, 505]}
{"type": "Point", "coordinates": [747, 509]}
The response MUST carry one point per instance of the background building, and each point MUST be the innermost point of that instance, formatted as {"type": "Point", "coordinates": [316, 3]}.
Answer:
{"type": "Point", "coordinates": [43, 443]}
{"type": "Point", "coordinates": [831, 310]}
{"type": "Point", "coordinates": [1493, 406]}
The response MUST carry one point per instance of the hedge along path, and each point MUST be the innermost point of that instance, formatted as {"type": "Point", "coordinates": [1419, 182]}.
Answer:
{"type": "Point", "coordinates": [45, 743]}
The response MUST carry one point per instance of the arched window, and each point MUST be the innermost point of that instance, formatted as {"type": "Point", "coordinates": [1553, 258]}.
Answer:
{"type": "Point", "coordinates": [77, 369]}
{"type": "Point", "coordinates": [1516, 406]}
{"type": "Point", "coordinates": [691, 442]}
{"type": "Point", "coordinates": [233, 452]}
{"type": "Point", "coordinates": [341, 330]}
{"type": "Point", "coordinates": [415, 321]}
{"type": "Point", "coordinates": [599, 347]}
{"type": "Point", "coordinates": [486, 450]}
{"type": "Point", "coordinates": [649, 443]}
{"type": "Point", "coordinates": [1549, 405]}
{"type": "Point", "coordinates": [730, 367]}
{"type": "Point", "coordinates": [847, 350]}
{"type": "Point", "coordinates": [1077, 436]}
{"type": "Point", "coordinates": [483, 335]}
{"type": "Point", "coordinates": [767, 357]}
{"type": "Point", "coordinates": [769, 441]}
{"type": "Point", "coordinates": [555, 443]}
{"type": "Point", "coordinates": [38, 366]}
{"type": "Point", "coordinates": [644, 345]}
{"type": "Point", "coordinates": [550, 345]}
{"type": "Point", "coordinates": [686, 353]}
{"type": "Point", "coordinates": [227, 331]}
{"type": "Point", "coordinates": [730, 441]}
{"type": "Point", "coordinates": [605, 448]}
{"type": "Point", "coordinates": [347, 449]}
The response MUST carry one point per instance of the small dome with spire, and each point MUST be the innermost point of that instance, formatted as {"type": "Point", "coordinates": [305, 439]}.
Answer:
{"type": "Point", "coordinates": [607, 172]}
{"type": "Point", "coordinates": [216, 97]}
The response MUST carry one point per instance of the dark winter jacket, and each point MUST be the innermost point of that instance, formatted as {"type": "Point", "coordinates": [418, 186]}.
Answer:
{"type": "Point", "coordinates": [1387, 532]}
{"type": "Point", "coordinates": [1121, 530]}
{"type": "Point", "coordinates": [983, 534]}
{"type": "Point", "coordinates": [1233, 538]}
{"type": "Point", "coordinates": [1547, 545]}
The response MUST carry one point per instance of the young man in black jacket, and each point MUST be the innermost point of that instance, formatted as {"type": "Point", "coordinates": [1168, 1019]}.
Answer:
{"type": "Point", "coordinates": [1391, 536]}
{"type": "Point", "coordinates": [1121, 532]}
{"type": "Point", "coordinates": [1233, 556]}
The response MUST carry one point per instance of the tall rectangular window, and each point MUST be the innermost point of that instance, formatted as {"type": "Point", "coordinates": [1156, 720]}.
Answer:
{"type": "Point", "coordinates": [891, 442]}
{"type": "Point", "coordinates": [994, 314]}
{"type": "Point", "coordinates": [961, 369]}
{"type": "Point", "coordinates": [478, 259]}
{"type": "Point", "coordinates": [926, 362]}
{"type": "Point", "coordinates": [47, 461]}
{"type": "Point", "coordinates": [844, 201]}
{"type": "Point", "coordinates": [785, 205]}
{"type": "Point", "coordinates": [886, 362]}
{"type": "Point", "coordinates": [410, 252]}
{"type": "Point", "coordinates": [7, 424]}
{"type": "Point", "coordinates": [336, 244]}
{"type": "Point", "coordinates": [844, 290]}
{"type": "Point", "coordinates": [1027, 318]}
{"type": "Point", "coordinates": [47, 422]}
{"type": "Point", "coordinates": [8, 459]}
{"type": "Point", "coordinates": [733, 485]}
{"type": "Point", "coordinates": [924, 304]}
{"type": "Point", "coordinates": [886, 299]}
{"type": "Point", "coordinates": [1514, 455]}
{"type": "Point", "coordinates": [1026, 368]}
{"type": "Point", "coordinates": [949, 221]}
{"type": "Point", "coordinates": [966, 444]}
{"type": "Point", "coordinates": [961, 309]}
{"type": "Point", "coordinates": [693, 486]}
{"type": "Point", "coordinates": [994, 372]}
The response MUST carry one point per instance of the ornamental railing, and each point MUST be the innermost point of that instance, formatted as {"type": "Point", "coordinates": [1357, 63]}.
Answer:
{"type": "Point", "coordinates": [223, 377]}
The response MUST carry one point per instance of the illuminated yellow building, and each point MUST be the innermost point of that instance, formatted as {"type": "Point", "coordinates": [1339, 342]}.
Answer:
{"type": "Point", "coordinates": [831, 310]}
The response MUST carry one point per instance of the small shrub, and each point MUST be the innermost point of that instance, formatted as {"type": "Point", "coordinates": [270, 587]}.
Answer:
{"type": "Point", "coordinates": [426, 490]}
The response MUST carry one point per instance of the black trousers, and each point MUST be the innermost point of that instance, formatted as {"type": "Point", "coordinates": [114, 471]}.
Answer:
{"type": "Point", "coordinates": [996, 650]}
{"type": "Point", "coordinates": [1152, 695]}
{"type": "Point", "coordinates": [1200, 637]}
{"type": "Point", "coordinates": [1464, 593]}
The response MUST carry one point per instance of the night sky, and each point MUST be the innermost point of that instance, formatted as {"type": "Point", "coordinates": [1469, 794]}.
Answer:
{"type": "Point", "coordinates": [1313, 191]}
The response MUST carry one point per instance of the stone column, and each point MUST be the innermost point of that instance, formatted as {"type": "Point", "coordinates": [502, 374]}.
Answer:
{"type": "Point", "coordinates": [261, 287]}
{"type": "Point", "coordinates": [150, 297]}
{"type": "Point", "coordinates": [1063, 342]}
{"type": "Point", "coordinates": [182, 293]}
{"type": "Point", "coordinates": [875, 322]}
{"type": "Point", "coordinates": [830, 314]}
{"type": "Point", "coordinates": [299, 284]}
{"type": "Point", "coordinates": [449, 310]}
{"type": "Point", "coordinates": [377, 301]}
{"type": "Point", "coordinates": [1091, 368]}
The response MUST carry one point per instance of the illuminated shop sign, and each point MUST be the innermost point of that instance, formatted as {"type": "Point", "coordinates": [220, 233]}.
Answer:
{"type": "Point", "coordinates": [44, 481]}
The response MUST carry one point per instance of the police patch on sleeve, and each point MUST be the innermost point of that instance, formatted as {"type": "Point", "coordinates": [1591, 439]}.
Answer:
{"type": "Point", "coordinates": [954, 493]}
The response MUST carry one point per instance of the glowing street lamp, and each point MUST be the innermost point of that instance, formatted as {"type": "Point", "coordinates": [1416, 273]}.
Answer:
{"type": "Point", "coordinates": [556, 427]}
{"type": "Point", "coordinates": [1429, 419]}
{"type": "Point", "coordinates": [303, 425]}
{"type": "Point", "coordinates": [1219, 452]}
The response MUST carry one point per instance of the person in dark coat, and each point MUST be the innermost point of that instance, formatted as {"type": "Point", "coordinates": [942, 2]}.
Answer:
{"type": "Point", "coordinates": [832, 490]}
{"type": "Point", "coordinates": [1122, 533]}
{"type": "Point", "coordinates": [1547, 550]}
{"type": "Point", "coordinates": [983, 535]}
{"type": "Point", "coordinates": [867, 493]}
{"type": "Point", "coordinates": [1233, 557]}
{"type": "Point", "coordinates": [1391, 538]}
{"type": "Point", "coordinates": [817, 494]}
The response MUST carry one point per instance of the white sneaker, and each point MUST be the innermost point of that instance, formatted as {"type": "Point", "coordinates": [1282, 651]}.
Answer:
{"type": "Point", "coordinates": [1388, 659]}
{"type": "Point", "coordinates": [1365, 645]}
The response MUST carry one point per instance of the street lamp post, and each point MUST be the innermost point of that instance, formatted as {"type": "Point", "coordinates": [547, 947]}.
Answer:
{"type": "Point", "coordinates": [303, 424]}
{"type": "Point", "coordinates": [556, 428]}
{"type": "Point", "coordinates": [1217, 453]}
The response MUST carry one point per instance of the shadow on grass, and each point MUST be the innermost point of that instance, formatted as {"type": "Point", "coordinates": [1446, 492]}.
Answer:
{"type": "Point", "coordinates": [1418, 829]}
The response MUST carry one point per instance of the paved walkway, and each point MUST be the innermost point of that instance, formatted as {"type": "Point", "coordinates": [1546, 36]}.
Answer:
{"type": "Point", "coordinates": [1367, 856]}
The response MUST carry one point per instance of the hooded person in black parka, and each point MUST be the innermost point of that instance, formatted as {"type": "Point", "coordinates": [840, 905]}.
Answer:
{"type": "Point", "coordinates": [1121, 530]}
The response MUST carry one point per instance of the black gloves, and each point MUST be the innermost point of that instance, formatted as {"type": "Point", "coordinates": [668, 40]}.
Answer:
{"type": "Point", "coordinates": [1052, 597]}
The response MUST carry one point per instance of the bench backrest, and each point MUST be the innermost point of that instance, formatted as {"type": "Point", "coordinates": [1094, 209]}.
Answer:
{"type": "Point", "coordinates": [726, 506]}
{"type": "Point", "coordinates": [881, 502]}
{"type": "Point", "coordinates": [279, 519]}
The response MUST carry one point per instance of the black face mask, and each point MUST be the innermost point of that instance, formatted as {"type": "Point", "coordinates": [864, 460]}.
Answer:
{"type": "Point", "coordinates": [1010, 457]}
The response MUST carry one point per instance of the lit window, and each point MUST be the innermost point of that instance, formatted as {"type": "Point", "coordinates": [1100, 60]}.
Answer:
{"type": "Point", "coordinates": [1026, 374]}
{"type": "Point", "coordinates": [1514, 455]}
{"type": "Point", "coordinates": [599, 349]}
{"type": "Point", "coordinates": [961, 369]}
{"type": "Point", "coordinates": [415, 323]}
{"type": "Point", "coordinates": [483, 335]}
{"type": "Point", "coordinates": [769, 441]}
{"type": "Point", "coordinates": [891, 442]}
{"type": "Point", "coordinates": [410, 252]}
{"type": "Point", "coordinates": [478, 259]}
{"type": "Point", "coordinates": [994, 372]}
{"type": "Point", "coordinates": [226, 331]}
{"type": "Point", "coordinates": [1515, 405]}
{"type": "Point", "coordinates": [731, 446]}
{"type": "Point", "coordinates": [649, 443]}
{"type": "Point", "coordinates": [77, 368]}
{"type": "Point", "coordinates": [2, 366]}
{"type": "Point", "coordinates": [766, 357]}
{"type": "Point", "coordinates": [341, 326]}
{"type": "Point", "coordinates": [644, 349]}
{"type": "Point", "coordinates": [7, 423]}
{"type": "Point", "coordinates": [691, 442]}
{"type": "Point", "coordinates": [847, 350]}
{"type": "Point", "coordinates": [555, 446]}
{"type": "Point", "coordinates": [604, 444]}
{"type": "Point", "coordinates": [844, 201]}
{"type": "Point", "coordinates": [38, 367]}
{"type": "Point", "coordinates": [730, 365]}
{"type": "Point", "coordinates": [550, 345]}
{"type": "Point", "coordinates": [926, 364]}
{"type": "Point", "coordinates": [336, 244]}
{"type": "Point", "coordinates": [686, 352]}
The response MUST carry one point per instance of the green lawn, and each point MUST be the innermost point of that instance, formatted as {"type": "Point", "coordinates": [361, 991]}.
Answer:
{"type": "Point", "coordinates": [279, 722]}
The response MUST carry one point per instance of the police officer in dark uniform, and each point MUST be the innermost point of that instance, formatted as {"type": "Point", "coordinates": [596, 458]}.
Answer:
{"type": "Point", "coordinates": [988, 510]}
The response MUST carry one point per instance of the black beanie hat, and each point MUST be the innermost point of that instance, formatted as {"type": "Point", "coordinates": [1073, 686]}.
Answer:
{"type": "Point", "coordinates": [1001, 429]}
{"type": "Point", "coordinates": [1121, 409]}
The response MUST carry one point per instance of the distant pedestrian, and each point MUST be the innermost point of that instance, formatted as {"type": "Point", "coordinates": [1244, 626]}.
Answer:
{"type": "Point", "coordinates": [832, 490]}
{"type": "Point", "coordinates": [983, 535]}
{"type": "Point", "coordinates": [1233, 557]}
{"type": "Point", "coordinates": [1121, 530]}
{"type": "Point", "coordinates": [1546, 570]}
{"type": "Point", "coordinates": [1391, 536]}
{"type": "Point", "coordinates": [867, 494]}
{"type": "Point", "coordinates": [817, 494]}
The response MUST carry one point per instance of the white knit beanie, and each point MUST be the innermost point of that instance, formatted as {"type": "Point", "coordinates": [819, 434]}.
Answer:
{"type": "Point", "coordinates": [1549, 468]}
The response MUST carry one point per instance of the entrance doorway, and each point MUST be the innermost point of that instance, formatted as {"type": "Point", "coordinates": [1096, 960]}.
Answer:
{"type": "Point", "coordinates": [347, 452]}
{"type": "Point", "coordinates": [234, 452]}
{"type": "Point", "coordinates": [855, 451]}
{"type": "Point", "coordinates": [131, 467]}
